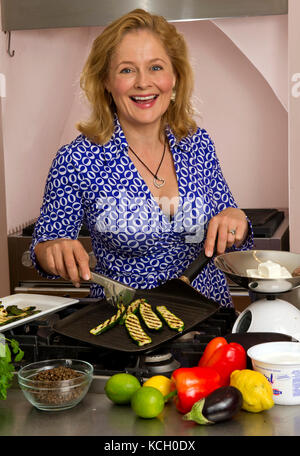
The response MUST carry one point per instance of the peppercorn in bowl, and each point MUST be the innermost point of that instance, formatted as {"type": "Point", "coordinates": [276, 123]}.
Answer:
{"type": "Point", "coordinates": [57, 384]}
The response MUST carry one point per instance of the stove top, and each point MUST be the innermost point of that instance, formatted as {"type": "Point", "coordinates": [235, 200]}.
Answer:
{"type": "Point", "coordinates": [39, 341]}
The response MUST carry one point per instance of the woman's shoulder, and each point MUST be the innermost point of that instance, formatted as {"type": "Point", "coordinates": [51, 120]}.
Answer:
{"type": "Point", "coordinates": [201, 135]}
{"type": "Point", "coordinates": [197, 140]}
{"type": "Point", "coordinates": [79, 148]}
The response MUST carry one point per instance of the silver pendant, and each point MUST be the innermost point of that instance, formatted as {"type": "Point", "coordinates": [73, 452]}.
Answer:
{"type": "Point", "coordinates": [158, 182]}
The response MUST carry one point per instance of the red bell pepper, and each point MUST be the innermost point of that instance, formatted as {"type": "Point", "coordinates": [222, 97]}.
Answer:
{"type": "Point", "coordinates": [192, 384]}
{"type": "Point", "coordinates": [210, 348]}
{"type": "Point", "coordinates": [226, 358]}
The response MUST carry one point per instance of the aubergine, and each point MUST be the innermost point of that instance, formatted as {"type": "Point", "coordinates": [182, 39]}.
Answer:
{"type": "Point", "coordinates": [220, 405]}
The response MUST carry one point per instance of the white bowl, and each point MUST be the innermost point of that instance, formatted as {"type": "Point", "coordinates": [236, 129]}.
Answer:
{"type": "Point", "coordinates": [279, 362]}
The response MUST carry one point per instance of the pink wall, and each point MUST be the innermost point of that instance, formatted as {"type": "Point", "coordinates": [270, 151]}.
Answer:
{"type": "Point", "coordinates": [41, 81]}
{"type": "Point", "coordinates": [242, 105]}
{"type": "Point", "coordinates": [4, 271]}
{"type": "Point", "coordinates": [267, 52]}
{"type": "Point", "coordinates": [244, 116]}
{"type": "Point", "coordinates": [4, 274]}
{"type": "Point", "coordinates": [294, 123]}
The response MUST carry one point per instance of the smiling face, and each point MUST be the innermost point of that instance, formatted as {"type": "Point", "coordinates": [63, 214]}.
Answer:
{"type": "Point", "coordinates": [141, 79]}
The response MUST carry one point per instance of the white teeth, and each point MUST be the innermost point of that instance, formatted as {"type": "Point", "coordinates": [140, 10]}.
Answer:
{"type": "Point", "coordinates": [150, 97]}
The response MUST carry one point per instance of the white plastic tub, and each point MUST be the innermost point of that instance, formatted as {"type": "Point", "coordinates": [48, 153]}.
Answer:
{"type": "Point", "coordinates": [279, 362]}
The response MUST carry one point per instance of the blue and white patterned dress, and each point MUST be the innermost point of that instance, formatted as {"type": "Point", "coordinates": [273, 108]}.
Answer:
{"type": "Point", "coordinates": [133, 240]}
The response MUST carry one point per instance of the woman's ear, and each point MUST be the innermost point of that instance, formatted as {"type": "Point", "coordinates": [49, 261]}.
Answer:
{"type": "Point", "coordinates": [106, 86]}
{"type": "Point", "coordinates": [174, 81]}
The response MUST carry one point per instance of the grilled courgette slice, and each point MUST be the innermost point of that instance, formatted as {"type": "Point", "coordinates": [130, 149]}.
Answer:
{"type": "Point", "coordinates": [150, 319]}
{"type": "Point", "coordinates": [170, 319]}
{"type": "Point", "coordinates": [135, 331]}
{"type": "Point", "coordinates": [109, 323]}
{"type": "Point", "coordinates": [13, 313]}
{"type": "Point", "coordinates": [132, 308]}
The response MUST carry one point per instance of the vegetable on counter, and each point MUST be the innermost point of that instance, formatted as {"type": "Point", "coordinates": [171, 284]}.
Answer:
{"type": "Point", "coordinates": [256, 390]}
{"type": "Point", "coordinates": [190, 384]}
{"type": "Point", "coordinates": [160, 382]}
{"type": "Point", "coordinates": [147, 402]}
{"type": "Point", "coordinates": [210, 348]}
{"type": "Point", "coordinates": [220, 405]}
{"type": "Point", "coordinates": [120, 388]}
{"type": "Point", "coordinates": [6, 366]}
{"type": "Point", "coordinates": [224, 358]}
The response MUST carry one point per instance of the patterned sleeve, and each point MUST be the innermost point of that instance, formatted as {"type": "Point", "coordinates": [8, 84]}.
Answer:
{"type": "Point", "coordinates": [222, 196]}
{"type": "Point", "coordinates": [61, 213]}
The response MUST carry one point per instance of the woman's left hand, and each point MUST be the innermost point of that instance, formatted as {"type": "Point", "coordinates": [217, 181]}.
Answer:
{"type": "Point", "coordinates": [226, 228]}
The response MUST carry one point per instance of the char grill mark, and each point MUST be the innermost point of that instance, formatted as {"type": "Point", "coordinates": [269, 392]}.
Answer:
{"type": "Point", "coordinates": [171, 320]}
{"type": "Point", "coordinates": [135, 330]}
{"type": "Point", "coordinates": [150, 319]}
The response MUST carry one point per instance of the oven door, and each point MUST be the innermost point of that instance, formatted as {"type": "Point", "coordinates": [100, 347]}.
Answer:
{"type": "Point", "coordinates": [25, 279]}
{"type": "Point", "coordinates": [55, 288]}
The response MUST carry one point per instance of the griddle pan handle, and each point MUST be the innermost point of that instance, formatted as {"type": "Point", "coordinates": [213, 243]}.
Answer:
{"type": "Point", "coordinates": [196, 267]}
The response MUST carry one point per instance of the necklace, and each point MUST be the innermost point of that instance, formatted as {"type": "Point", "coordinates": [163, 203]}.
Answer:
{"type": "Point", "coordinates": [157, 181]}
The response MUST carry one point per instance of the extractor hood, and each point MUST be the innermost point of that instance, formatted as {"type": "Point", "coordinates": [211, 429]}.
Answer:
{"type": "Point", "coordinates": [39, 14]}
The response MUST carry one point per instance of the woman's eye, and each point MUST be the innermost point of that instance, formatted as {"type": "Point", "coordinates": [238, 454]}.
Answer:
{"type": "Point", "coordinates": [126, 70]}
{"type": "Point", "coordinates": [156, 67]}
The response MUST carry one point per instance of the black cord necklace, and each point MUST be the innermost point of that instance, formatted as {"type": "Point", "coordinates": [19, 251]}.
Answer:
{"type": "Point", "coordinates": [157, 181]}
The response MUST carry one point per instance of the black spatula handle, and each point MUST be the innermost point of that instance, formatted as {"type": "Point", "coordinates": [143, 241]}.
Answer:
{"type": "Point", "coordinates": [196, 267]}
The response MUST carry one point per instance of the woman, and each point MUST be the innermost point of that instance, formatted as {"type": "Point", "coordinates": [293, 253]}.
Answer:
{"type": "Point", "coordinates": [142, 176]}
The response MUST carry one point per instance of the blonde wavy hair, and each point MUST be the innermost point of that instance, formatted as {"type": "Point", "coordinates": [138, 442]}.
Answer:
{"type": "Point", "coordinates": [179, 115]}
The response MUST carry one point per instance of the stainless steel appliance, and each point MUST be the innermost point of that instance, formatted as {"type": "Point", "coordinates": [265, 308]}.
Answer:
{"type": "Point", "coordinates": [50, 14]}
{"type": "Point", "coordinates": [268, 312]}
{"type": "Point", "coordinates": [271, 232]}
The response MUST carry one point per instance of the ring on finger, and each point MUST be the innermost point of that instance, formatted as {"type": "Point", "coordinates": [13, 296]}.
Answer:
{"type": "Point", "coordinates": [232, 232]}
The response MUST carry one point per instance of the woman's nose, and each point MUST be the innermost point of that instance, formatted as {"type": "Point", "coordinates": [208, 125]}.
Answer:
{"type": "Point", "coordinates": [142, 79]}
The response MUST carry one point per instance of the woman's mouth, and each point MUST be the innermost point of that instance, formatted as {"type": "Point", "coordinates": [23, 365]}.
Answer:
{"type": "Point", "coordinates": [144, 100]}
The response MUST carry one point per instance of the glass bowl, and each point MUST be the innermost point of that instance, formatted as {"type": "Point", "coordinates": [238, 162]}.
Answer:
{"type": "Point", "coordinates": [57, 384]}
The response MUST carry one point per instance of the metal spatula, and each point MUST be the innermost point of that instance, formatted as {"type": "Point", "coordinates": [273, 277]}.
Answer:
{"type": "Point", "coordinates": [115, 292]}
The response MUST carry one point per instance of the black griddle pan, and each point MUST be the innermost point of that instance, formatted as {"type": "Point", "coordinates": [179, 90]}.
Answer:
{"type": "Point", "coordinates": [177, 294]}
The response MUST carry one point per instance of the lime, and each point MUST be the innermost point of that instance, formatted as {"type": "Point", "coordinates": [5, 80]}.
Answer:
{"type": "Point", "coordinates": [119, 388]}
{"type": "Point", "coordinates": [160, 382]}
{"type": "Point", "coordinates": [147, 402]}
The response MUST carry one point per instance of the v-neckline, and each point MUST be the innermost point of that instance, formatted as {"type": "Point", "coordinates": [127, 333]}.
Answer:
{"type": "Point", "coordinates": [170, 218]}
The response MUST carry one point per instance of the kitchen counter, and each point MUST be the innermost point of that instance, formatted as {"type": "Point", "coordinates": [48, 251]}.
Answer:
{"type": "Point", "coordinates": [97, 416]}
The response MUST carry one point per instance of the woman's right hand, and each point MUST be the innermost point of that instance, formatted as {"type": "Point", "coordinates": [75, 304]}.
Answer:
{"type": "Point", "coordinates": [64, 257]}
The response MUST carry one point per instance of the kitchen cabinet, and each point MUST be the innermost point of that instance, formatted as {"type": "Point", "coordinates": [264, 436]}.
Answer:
{"type": "Point", "coordinates": [38, 14]}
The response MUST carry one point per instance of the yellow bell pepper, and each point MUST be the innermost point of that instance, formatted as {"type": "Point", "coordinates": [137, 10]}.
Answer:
{"type": "Point", "coordinates": [160, 382]}
{"type": "Point", "coordinates": [256, 390]}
